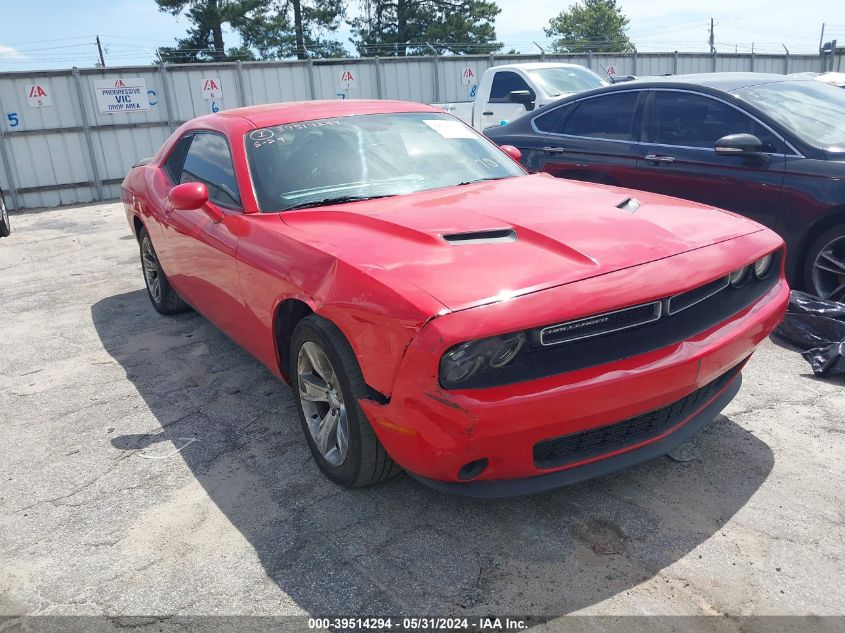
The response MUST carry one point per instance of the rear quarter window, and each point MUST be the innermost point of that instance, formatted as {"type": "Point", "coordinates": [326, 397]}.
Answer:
{"type": "Point", "coordinates": [552, 121]}
{"type": "Point", "coordinates": [606, 117]}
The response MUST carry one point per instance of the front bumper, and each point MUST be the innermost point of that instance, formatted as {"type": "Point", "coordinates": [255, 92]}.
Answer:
{"type": "Point", "coordinates": [685, 429]}
{"type": "Point", "coordinates": [433, 432]}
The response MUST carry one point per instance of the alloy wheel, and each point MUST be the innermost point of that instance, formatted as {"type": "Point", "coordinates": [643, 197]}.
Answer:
{"type": "Point", "coordinates": [829, 271]}
{"type": "Point", "coordinates": [322, 403]}
{"type": "Point", "coordinates": [151, 271]}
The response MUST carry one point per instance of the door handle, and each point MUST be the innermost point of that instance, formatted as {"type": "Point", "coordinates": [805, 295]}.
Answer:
{"type": "Point", "coordinates": [488, 113]}
{"type": "Point", "coordinates": [654, 158]}
{"type": "Point", "coordinates": [554, 150]}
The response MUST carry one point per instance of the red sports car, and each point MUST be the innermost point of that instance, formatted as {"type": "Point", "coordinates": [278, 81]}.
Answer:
{"type": "Point", "coordinates": [436, 308]}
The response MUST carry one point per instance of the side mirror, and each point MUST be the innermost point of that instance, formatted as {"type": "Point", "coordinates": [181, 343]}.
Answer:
{"type": "Point", "coordinates": [194, 195]}
{"type": "Point", "coordinates": [188, 196]}
{"type": "Point", "coordinates": [512, 151]}
{"type": "Point", "coordinates": [739, 145]}
{"type": "Point", "coordinates": [522, 96]}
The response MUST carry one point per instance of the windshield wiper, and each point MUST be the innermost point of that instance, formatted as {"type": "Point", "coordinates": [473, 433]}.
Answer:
{"type": "Point", "coordinates": [469, 182]}
{"type": "Point", "coordinates": [336, 200]}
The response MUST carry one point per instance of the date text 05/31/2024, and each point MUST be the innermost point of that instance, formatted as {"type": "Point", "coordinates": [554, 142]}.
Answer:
{"type": "Point", "coordinates": [420, 624]}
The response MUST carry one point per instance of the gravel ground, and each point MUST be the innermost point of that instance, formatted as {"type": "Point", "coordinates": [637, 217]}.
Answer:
{"type": "Point", "coordinates": [152, 467]}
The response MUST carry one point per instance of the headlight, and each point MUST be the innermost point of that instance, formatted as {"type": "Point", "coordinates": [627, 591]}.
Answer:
{"type": "Point", "coordinates": [739, 277]}
{"type": "Point", "coordinates": [460, 363]}
{"type": "Point", "coordinates": [464, 361]}
{"type": "Point", "coordinates": [762, 266]}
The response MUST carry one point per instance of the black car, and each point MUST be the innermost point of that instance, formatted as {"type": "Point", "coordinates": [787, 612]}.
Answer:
{"type": "Point", "coordinates": [770, 147]}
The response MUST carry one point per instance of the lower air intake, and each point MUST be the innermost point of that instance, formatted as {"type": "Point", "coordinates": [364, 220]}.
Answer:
{"type": "Point", "coordinates": [576, 447]}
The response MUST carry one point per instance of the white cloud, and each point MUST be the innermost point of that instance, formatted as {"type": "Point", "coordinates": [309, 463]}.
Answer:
{"type": "Point", "coordinates": [8, 53]}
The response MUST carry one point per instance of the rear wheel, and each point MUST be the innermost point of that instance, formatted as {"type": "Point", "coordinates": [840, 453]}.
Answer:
{"type": "Point", "coordinates": [824, 268]}
{"type": "Point", "coordinates": [328, 383]}
{"type": "Point", "coordinates": [162, 296]}
{"type": "Point", "coordinates": [5, 227]}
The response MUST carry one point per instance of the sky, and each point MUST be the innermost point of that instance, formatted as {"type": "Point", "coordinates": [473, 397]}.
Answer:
{"type": "Point", "coordinates": [47, 34]}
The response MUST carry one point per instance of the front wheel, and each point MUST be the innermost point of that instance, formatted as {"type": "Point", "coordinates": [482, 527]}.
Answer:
{"type": "Point", "coordinates": [5, 226]}
{"type": "Point", "coordinates": [824, 268]}
{"type": "Point", "coordinates": [162, 296]}
{"type": "Point", "coordinates": [328, 383]}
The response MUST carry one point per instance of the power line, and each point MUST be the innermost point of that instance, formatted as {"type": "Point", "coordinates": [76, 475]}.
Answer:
{"type": "Point", "coordinates": [50, 48]}
{"type": "Point", "coordinates": [53, 39]}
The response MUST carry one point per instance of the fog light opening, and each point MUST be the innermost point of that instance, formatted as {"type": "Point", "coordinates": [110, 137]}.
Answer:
{"type": "Point", "coordinates": [472, 469]}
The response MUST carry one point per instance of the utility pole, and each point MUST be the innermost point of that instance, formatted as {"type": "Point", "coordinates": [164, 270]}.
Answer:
{"type": "Point", "coordinates": [712, 40]}
{"type": "Point", "coordinates": [100, 49]}
{"type": "Point", "coordinates": [821, 38]}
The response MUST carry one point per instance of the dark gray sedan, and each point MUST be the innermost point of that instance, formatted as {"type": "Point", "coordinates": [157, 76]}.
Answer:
{"type": "Point", "coordinates": [770, 147]}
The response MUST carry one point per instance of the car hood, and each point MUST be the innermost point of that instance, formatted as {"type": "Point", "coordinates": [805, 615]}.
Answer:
{"type": "Point", "coordinates": [511, 237]}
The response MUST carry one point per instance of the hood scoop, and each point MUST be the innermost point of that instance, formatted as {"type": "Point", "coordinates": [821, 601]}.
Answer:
{"type": "Point", "coordinates": [629, 204]}
{"type": "Point", "coordinates": [489, 236]}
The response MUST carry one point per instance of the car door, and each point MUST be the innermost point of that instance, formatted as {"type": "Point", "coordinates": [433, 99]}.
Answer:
{"type": "Point", "coordinates": [594, 139]}
{"type": "Point", "coordinates": [677, 155]}
{"type": "Point", "coordinates": [499, 106]}
{"type": "Point", "coordinates": [201, 251]}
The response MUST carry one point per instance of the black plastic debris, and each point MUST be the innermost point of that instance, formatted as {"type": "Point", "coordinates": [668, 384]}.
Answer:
{"type": "Point", "coordinates": [817, 326]}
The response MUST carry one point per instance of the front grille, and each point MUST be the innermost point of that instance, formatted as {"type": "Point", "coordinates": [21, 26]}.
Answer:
{"type": "Point", "coordinates": [550, 351]}
{"type": "Point", "coordinates": [696, 295]}
{"type": "Point", "coordinates": [600, 324]}
{"type": "Point", "coordinates": [575, 447]}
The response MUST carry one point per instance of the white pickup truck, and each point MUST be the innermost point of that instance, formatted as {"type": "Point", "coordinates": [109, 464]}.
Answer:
{"type": "Point", "coordinates": [508, 91]}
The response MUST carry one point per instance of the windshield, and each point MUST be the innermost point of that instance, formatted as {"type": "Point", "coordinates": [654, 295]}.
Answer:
{"type": "Point", "coordinates": [566, 80]}
{"type": "Point", "coordinates": [812, 110]}
{"type": "Point", "coordinates": [358, 157]}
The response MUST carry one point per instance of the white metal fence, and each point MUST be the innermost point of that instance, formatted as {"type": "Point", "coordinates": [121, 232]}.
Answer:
{"type": "Point", "coordinates": [58, 147]}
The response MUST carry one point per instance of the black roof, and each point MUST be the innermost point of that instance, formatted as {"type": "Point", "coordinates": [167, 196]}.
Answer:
{"type": "Point", "coordinates": [727, 82]}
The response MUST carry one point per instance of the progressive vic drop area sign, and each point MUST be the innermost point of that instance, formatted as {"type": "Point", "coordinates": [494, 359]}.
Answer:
{"type": "Point", "coordinates": [121, 95]}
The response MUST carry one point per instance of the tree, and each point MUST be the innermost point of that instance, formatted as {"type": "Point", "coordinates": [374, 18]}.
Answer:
{"type": "Point", "coordinates": [283, 28]}
{"type": "Point", "coordinates": [403, 27]}
{"type": "Point", "coordinates": [199, 47]}
{"type": "Point", "coordinates": [594, 25]}
{"type": "Point", "coordinates": [205, 37]}
{"type": "Point", "coordinates": [274, 28]}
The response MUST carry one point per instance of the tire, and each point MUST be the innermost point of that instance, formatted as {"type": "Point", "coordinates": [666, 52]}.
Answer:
{"type": "Point", "coordinates": [364, 461]}
{"type": "Point", "coordinates": [824, 265]}
{"type": "Point", "coordinates": [5, 226]}
{"type": "Point", "coordinates": [161, 294]}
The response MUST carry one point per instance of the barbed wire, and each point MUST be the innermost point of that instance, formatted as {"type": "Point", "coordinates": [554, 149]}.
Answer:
{"type": "Point", "coordinates": [128, 49]}
{"type": "Point", "coordinates": [172, 54]}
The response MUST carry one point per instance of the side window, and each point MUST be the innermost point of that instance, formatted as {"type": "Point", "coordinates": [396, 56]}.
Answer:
{"type": "Point", "coordinates": [608, 117]}
{"type": "Point", "coordinates": [173, 164]}
{"type": "Point", "coordinates": [209, 161]}
{"type": "Point", "coordinates": [552, 121]}
{"type": "Point", "coordinates": [680, 118]}
{"type": "Point", "coordinates": [505, 82]}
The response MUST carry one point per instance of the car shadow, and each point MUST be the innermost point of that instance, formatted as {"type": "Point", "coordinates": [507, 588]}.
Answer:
{"type": "Point", "coordinates": [400, 547]}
